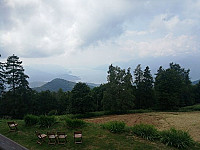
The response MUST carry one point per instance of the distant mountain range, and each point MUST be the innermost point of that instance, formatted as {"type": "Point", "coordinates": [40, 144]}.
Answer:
{"type": "Point", "coordinates": [58, 83]}
{"type": "Point", "coordinates": [195, 82]}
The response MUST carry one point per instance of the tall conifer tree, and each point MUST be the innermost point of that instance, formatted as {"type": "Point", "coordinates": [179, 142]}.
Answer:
{"type": "Point", "coordinates": [148, 96]}
{"type": "Point", "coordinates": [15, 76]}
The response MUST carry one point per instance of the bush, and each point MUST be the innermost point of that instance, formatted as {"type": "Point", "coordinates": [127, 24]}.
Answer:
{"type": "Point", "coordinates": [114, 126]}
{"type": "Point", "coordinates": [146, 131]}
{"type": "Point", "coordinates": [140, 111]}
{"type": "Point", "coordinates": [46, 121]}
{"type": "Point", "coordinates": [74, 123]}
{"type": "Point", "coordinates": [176, 138]}
{"type": "Point", "coordinates": [88, 115]}
{"type": "Point", "coordinates": [190, 108]}
{"type": "Point", "coordinates": [31, 120]}
{"type": "Point", "coordinates": [53, 112]}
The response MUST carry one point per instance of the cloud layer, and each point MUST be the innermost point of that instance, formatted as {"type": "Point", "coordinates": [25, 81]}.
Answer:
{"type": "Point", "coordinates": [102, 32]}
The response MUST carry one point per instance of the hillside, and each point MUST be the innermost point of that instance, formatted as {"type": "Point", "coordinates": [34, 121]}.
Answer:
{"type": "Point", "coordinates": [55, 85]}
{"type": "Point", "coordinates": [58, 83]}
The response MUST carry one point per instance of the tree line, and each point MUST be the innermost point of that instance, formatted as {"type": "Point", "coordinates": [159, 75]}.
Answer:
{"type": "Point", "coordinates": [170, 89]}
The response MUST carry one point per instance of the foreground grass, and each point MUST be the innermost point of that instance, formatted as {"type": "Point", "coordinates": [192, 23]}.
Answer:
{"type": "Point", "coordinates": [94, 137]}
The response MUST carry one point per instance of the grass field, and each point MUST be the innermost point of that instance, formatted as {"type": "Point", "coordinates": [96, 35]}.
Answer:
{"type": "Point", "coordinates": [96, 138]}
{"type": "Point", "coordinates": [187, 121]}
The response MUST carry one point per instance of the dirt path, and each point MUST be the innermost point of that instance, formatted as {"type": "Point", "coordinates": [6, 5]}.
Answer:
{"type": "Point", "coordinates": [187, 121]}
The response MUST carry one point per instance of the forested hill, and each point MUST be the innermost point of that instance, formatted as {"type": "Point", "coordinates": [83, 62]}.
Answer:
{"type": "Point", "coordinates": [57, 84]}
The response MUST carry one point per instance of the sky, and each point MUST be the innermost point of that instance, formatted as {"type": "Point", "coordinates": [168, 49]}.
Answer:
{"type": "Point", "coordinates": [83, 37]}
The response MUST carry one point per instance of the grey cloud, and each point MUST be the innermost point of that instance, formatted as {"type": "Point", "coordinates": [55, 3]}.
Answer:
{"type": "Point", "coordinates": [45, 28]}
{"type": "Point", "coordinates": [5, 21]}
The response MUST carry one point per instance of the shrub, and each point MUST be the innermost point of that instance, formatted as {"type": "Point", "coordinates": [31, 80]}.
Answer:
{"type": "Point", "coordinates": [74, 123]}
{"type": "Point", "coordinates": [114, 126]}
{"type": "Point", "coordinates": [46, 121]}
{"type": "Point", "coordinates": [146, 131]}
{"type": "Point", "coordinates": [190, 108]}
{"type": "Point", "coordinates": [31, 120]}
{"type": "Point", "coordinates": [176, 138]}
{"type": "Point", "coordinates": [88, 115]}
{"type": "Point", "coordinates": [53, 112]}
{"type": "Point", "coordinates": [140, 111]}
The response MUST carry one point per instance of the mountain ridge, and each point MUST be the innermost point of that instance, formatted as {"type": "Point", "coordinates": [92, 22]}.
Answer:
{"type": "Point", "coordinates": [59, 83]}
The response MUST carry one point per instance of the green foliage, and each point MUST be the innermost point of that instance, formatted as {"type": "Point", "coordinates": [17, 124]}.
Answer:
{"type": "Point", "coordinates": [31, 120]}
{"type": "Point", "coordinates": [97, 94]}
{"type": "Point", "coordinates": [190, 108]}
{"type": "Point", "coordinates": [118, 95]}
{"type": "Point", "coordinates": [197, 92]}
{"type": "Point", "coordinates": [14, 102]}
{"type": "Point", "coordinates": [53, 112]}
{"type": "Point", "coordinates": [46, 121]}
{"type": "Point", "coordinates": [16, 106]}
{"type": "Point", "coordinates": [80, 100]}
{"type": "Point", "coordinates": [55, 85]}
{"type": "Point", "coordinates": [173, 87]}
{"type": "Point", "coordinates": [15, 76]}
{"type": "Point", "coordinates": [74, 123]}
{"type": "Point", "coordinates": [94, 137]}
{"type": "Point", "coordinates": [146, 131]}
{"type": "Point", "coordinates": [114, 126]}
{"type": "Point", "coordinates": [144, 88]}
{"type": "Point", "coordinates": [62, 99]}
{"type": "Point", "coordinates": [102, 113]}
{"type": "Point", "coordinates": [139, 111]}
{"type": "Point", "coordinates": [45, 102]}
{"type": "Point", "coordinates": [176, 138]}
{"type": "Point", "coordinates": [88, 115]}
{"type": "Point", "coordinates": [172, 90]}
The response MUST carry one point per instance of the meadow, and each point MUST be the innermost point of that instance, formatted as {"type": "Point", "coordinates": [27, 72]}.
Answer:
{"type": "Point", "coordinates": [95, 137]}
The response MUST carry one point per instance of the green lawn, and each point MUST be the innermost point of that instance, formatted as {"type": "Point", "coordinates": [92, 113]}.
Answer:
{"type": "Point", "coordinates": [94, 137]}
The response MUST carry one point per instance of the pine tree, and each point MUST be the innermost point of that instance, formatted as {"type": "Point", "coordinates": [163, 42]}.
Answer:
{"type": "Point", "coordinates": [138, 73]}
{"type": "Point", "coordinates": [144, 88]}
{"type": "Point", "coordinates": [15, 77]}
{"type": "Point", "coordinates": [148, 96]}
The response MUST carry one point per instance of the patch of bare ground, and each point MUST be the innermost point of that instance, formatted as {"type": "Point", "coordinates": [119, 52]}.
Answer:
{"type": "Point", "coordinates": [187, 121]}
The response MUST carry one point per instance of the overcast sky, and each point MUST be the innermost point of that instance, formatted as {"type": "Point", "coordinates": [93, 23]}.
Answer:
{"type": "Point", "coordinates": [81, 35]}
